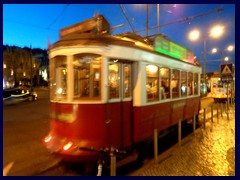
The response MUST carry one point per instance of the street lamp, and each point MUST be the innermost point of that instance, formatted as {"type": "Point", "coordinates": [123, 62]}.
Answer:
{"type": "Point", "coordinates": [228, 49]}
{"type": "Point", "coordinates": [215, 32]}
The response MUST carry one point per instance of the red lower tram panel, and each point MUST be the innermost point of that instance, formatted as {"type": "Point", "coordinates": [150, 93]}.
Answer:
{"type": "Point", "coordinates": [117, 125]}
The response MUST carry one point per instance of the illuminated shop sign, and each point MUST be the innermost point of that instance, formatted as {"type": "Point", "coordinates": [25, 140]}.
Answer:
{"type": "Point", "coordinates": [170, 48]}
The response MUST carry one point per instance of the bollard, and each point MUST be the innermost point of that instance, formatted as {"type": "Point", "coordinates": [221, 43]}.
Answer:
{"type": "Point", "coordinates": [212, 113]}
{"type": "Point", "coordinates": [217, 110]}
{"type": "Point", "coordinates": [227, 108]}
{"type": "Point", "coordinates": [194, 123]}
{"type": "Point", "coordinates": [204, 118]}
{"type": "Point", "coordinates": [221, 109]}
{"type": "Point", "coordinates": [113, 165]}
{"type": "Point", "coordinates": [99, 173]}
{"type": "Point", "coordinates": [179, 133]}
{"type": "Point", "coordinates": [155, 133]}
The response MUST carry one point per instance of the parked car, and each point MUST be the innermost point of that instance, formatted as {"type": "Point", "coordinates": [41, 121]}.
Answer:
{"type": "Point", "coordinates": [19, 94]}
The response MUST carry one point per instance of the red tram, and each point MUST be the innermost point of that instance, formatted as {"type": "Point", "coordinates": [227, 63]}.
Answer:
{"type": "Point", "coordinates": [113, 91]}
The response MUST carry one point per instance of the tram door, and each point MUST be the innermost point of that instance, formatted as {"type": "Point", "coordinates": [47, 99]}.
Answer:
{"type": "Point", "coordinates": [119, 102]}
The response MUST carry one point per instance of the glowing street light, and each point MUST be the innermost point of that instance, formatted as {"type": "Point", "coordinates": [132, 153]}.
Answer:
{"type": "Point", "coordinates": [194, 35]}
{"type": "Point", "coordinates": [229, 49]}
{"type": "Point", "coordinates": [216, 31]}
{"type": "Point", "coordinates": [226, 58]}
{"type": "Point", "coordinates": [214, 50]}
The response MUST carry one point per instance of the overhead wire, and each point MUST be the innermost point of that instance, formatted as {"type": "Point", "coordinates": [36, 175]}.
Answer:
{"type": "Point", "coordinates": [35, 26]}
{"type": "Point", "coordinates": [26, 24]}
{"type": "Point", "coordinates": [58, 16]}
{"type": "Point", "coordinates": [126, 16]}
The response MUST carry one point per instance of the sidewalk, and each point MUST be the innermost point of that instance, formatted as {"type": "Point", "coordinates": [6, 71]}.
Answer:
{"type": "Point", "coordinates": [210, 152]}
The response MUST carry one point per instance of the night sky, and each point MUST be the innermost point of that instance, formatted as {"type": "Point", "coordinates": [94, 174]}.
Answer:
{"type": "Point", "coordinates": [35, 24]}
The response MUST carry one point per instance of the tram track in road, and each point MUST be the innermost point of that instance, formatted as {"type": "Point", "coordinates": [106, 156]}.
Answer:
{"type": "Point", "coordinates": [50, 167]}
{"type": "Point", "coordinates": [59, 168]}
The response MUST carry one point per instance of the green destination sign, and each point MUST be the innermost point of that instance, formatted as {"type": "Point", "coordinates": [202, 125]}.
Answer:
{"type": "Point", "coordinates": [165, 46]}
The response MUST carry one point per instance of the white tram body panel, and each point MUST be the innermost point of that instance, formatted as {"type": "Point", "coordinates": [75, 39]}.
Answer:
{"type": "Point", "coordinates": [139, 58]}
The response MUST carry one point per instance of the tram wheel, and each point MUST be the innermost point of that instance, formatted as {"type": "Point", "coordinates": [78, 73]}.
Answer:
{"type": "Point", "coordinates": [31, 98]}
{"type": "Point", "coordinates": [90, 169]}
{"type": "Point", "coordinates": [141, 150]}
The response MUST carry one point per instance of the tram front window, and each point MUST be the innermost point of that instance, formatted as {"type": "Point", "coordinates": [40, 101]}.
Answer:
{"type": "Point", "coordinates": [87, 73]}
{"type": "Point", "coordinates": [58, 77]}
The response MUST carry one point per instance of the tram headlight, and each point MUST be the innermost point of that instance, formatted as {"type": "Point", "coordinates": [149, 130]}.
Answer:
{"type": "Point", "coordinates": [47, 139]}
{"type": "Point", "coordinates": [67, 146]}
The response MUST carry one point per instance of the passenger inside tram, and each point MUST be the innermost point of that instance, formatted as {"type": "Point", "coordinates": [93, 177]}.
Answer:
{"type": "Point", "coordinates": [163, 94]}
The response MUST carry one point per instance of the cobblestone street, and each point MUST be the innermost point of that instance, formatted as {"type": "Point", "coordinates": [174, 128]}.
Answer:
{"type": "Point", "coordinates": [208, 152]}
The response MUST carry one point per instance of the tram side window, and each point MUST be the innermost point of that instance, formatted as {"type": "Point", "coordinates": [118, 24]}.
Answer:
{"type": "Point", "coordinates": [220, 84]}
{"type": "Point", "coordinates": [114, 80]}
{"type": "Point", "coordinates": [175, 83]}
{"type": "Point", "coordinates": [87, 71]}
{"type": "Point", "coordinates": [190, 84]}
{"type": "Point", "coordinates": [195, 84]}
{"type": "Point", "coordinates": [165, 83]}
{"type": "Point", "coordinates": [127, 80]}
{"type": "Point", "coordinates": [214, 84]}
{"type": "Point", "coordinates": [183, 83]}
{"type": "Point", "coordinates": [152, 85]}
{"type": "Point", "coordinates": [58, 77]}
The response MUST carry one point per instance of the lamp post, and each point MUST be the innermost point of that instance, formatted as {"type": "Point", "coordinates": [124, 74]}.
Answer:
{"type": "Point", "coordinates": [204, 59]}
{"type": "Point", "coordinates": [215, 32]}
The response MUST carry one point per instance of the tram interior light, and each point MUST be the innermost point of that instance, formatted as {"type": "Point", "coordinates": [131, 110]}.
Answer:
{"type": "Point", "coordinates": [59, 91]}
{"type": "Point", "coordinates": [184, 89]}
{"type": "Point", "coordinates": [97, 75]}
{"type": "Point", "coordinates": [113, 67]}
{"type": "Point", "coordinates": [152, 68]}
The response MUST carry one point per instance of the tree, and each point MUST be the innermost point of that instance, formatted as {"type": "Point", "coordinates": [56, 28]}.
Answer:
{"type": "Point", "coordinates": [19, 65]}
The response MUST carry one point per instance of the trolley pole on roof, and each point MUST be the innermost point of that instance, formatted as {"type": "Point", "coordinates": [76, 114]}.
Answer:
{"type": "Point", "coordinates": [125, 14]}
{"type": "Point", "coordinates": [147, 21]}
{"type": "Point", "coordinates": [158, 18]}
